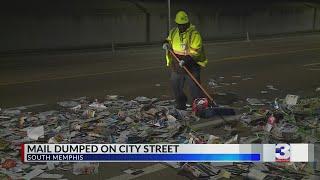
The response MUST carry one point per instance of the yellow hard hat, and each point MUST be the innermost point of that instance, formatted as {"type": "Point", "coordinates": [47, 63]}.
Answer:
{"type": "Point", "coordinates": [182, 18]}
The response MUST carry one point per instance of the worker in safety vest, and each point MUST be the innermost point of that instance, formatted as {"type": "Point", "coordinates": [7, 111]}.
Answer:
{"type": "Point", "coordinates": [186, 43]}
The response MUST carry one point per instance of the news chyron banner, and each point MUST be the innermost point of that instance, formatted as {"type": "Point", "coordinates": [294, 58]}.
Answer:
{"type": "Point", "coordinates": [167, 152]}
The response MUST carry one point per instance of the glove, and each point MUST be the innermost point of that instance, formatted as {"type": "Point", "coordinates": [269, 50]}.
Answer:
{"type": "Point", "coordinates": [188, 61]}
{"type": "Point", "coordinates": [181, 63]}
{"type": "Point", "coordinates": [166, 46]}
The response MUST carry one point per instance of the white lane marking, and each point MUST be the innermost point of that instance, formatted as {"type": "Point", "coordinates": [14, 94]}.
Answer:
{"type": "Point", "coordinates": [79, 75]}
{"type": "Point", "coordinates": [146, 170]}
{"type": "Point", "coordinates": [312, 64]}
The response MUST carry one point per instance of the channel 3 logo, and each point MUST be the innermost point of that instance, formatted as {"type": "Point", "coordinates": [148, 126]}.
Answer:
{"type": "Point", "coordinates": [283, 153]}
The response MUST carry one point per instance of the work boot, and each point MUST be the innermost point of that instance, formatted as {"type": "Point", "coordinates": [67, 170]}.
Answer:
{"type": "Point", "coordinates": [181, 107]}
{"type": "Point", "coordinates": [181, 102]}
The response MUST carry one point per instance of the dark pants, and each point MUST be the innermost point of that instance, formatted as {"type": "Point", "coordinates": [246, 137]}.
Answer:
{"type": "Point", "coordinates": [178, 80]}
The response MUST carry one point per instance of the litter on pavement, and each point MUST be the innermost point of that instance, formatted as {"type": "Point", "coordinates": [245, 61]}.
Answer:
{"type": "Point", "coordinates": [115, 119]}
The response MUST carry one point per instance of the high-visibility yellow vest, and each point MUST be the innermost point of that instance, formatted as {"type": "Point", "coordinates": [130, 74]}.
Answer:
{"type": "Point", "coordinates": [187, 43]}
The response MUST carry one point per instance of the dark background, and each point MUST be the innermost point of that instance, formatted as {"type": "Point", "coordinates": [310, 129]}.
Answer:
{"type": "Point", "coordinates": [40, 25]}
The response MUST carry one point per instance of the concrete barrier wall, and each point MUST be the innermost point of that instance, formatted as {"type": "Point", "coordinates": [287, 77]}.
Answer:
{"type": "Point", "coordinates": [31, 32]}
{"type": "Point", "coordinates": [53, 31]}
{"type": "Point", "coordinates": [261, 22]}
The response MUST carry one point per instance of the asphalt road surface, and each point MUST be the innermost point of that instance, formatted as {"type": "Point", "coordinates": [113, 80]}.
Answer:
{"type": "Point", "coordinates": [290, 64]}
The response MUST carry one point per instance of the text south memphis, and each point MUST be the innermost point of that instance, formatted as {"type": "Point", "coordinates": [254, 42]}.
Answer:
{"type": "Point", "coordinates": [54, 157]}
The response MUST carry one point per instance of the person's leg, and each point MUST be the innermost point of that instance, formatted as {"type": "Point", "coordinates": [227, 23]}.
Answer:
{"type": "Point", "coordinates": [195, 91]}
{"type": "Point", "coordinates": [177, 83]}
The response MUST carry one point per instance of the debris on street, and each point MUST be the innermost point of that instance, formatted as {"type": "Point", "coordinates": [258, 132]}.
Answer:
{"type": "Point", "coordinates": [154, 120]}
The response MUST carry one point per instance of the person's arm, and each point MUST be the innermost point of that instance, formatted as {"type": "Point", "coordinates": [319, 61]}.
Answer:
{"type": "Point", "coordinates": [195, 45]}
{"type": "Point", "coordinates": [166, 46]}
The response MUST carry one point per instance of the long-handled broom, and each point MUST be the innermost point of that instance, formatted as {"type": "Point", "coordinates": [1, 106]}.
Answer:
{"type": "Point", "coordinates": [213, 109]}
